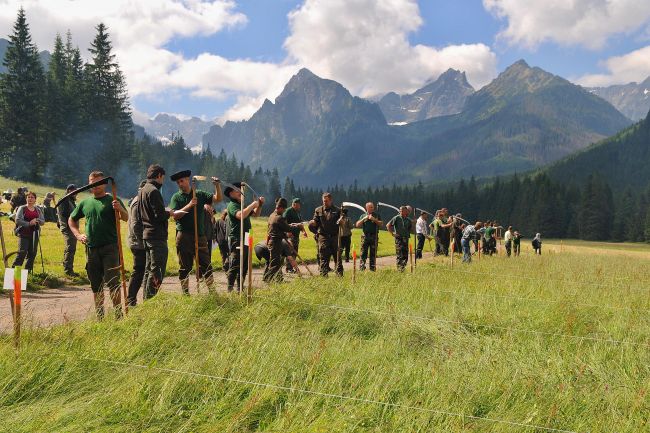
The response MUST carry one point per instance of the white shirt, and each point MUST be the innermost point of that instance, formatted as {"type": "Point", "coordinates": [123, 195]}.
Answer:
{"type": "Point", "coordinates": [421, 227]}
{"type": "Point", "coordinates": [508, 236]}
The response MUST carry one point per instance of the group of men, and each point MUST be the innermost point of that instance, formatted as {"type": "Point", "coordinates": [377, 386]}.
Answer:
{"type": "Point", "coordinates": [192, 211]}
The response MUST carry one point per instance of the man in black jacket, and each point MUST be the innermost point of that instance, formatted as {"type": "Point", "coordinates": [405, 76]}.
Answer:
{"type": "Point", "coordinates": [154, 216]}
{"type": "Point", "coordinates": [326, 222]}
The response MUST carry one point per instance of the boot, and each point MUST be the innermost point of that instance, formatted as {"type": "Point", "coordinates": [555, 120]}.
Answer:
{"type": "Point", "coordinates": [185, 286]}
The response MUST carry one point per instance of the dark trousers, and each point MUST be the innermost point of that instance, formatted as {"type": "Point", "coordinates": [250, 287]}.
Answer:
{"type": "Point", "coordinates": [103, 268]}
{"type": "Point", "coordinates": [420, 245]}
{"type": "Point", "coordinates": [467, 254]}
{"type": "Point", "coordinates": [185, 252]}
{"type": "Point", "coordinates": [444, 241]}
{"type": "Point", "coordinates": [157, 253]}
{"type": "Point", "coordinates": [438, 250]}
{"type": "Point", "coordinates": [401, 252]}
{"type": "Point", "coordinates": [295, 243]}
{"type": "Point", "coordinates": [346, 242]}
{"type": "Point", "coordinates": [69, 250]}
{"type": "Point", "coordinates": [137, 276]}
{"type": "Point", "coordinates": [328, 247]}
{"type": "Point", "coordinates": [508, 248]}
{"type": "Point", "coordinates": [27, 248]}
{"type": "Point", "coordinates": [233, 265]}
{"type": "Point", "coordinates": [517, 248]}
{"type": "Point", "coordinates": [224, 251]}
{"type": "Point", "coordinates": [273, 271]}
{"type": "Point", "coordinates": [369, 251]}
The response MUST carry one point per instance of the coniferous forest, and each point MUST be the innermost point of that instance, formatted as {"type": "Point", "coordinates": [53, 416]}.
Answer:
{"type": "Point", "coordinates": [60, 121]}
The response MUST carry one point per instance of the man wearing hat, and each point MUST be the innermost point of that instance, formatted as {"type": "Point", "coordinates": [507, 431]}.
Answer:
{"type": "Point", "coordinates": [326, 221]}
{"type": "Point", "coordinates": [235, 218]}
{"type": "Point", "coordinates": [277, 232]}
{"type": "Point", "coordinates": [183, 206]}
{"type": "Point", "coordinates": [63, 212]}
{"type": "Point", "coordinates": [292, 216]}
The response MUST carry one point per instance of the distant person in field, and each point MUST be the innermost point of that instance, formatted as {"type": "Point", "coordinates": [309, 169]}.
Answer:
{"type": "Point", "coordinates": [470, 233]}
{"type": "Point", "coordinates": [100, 238]}
{"type": "Point", "coordinates": [29, 219]}
{"type": "Point", "coordinates": [421, 233]}
{"type": "Point", "coordinates": [136, 245]}
{"type": "Point", "coordinates": [18, 199]}
{"type": "Point", "coordinates": [507, 237]}
{"type": "Point", "coordinates": [183, 204]}
{"type": "Point", "coordinates": [326, 221]}
{"type": "Point", "coordinates": [237, 218]}
{"type": "Point", "coordinates": [457, 233]}
{"type": "Point", "coordinates": [63, 212]}
{"type": "Point", "coordinates": [346, 235]}
{"type": "Point", "coordinates": [292, 215]}
{"type": "Point", "coordinates": [434, 227]}
{"type": "Point", "coordinates": [537, 244]}
{"type": "Point", "coordinates": [445, 230]}
{"type": "Point", "coordinates": [369, 223]}
{"type": "Point", "coordinates": [516, 243]}
{"type": "Point", "coordinates": [401, 227]}
{"type": "Point", "coordinates": [48, 209]}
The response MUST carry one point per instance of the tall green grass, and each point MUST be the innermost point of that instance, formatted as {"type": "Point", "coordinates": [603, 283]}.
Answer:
{"type": "Point", "coordinates": [478, 341]}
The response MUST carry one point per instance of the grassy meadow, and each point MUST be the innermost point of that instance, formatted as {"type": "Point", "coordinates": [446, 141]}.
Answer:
{"type": "Point", "coordinates": [557, 342]}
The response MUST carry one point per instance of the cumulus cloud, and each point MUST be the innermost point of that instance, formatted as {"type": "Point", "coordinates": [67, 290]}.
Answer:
{"type": "Point", "coordinates": [634, 66]}
{"type": "Point", "coordinates": [364, 45]}
{"type": "Point", "coordinates": [568, 22]}
{"type": "Point", "coordinates": [140, 31]}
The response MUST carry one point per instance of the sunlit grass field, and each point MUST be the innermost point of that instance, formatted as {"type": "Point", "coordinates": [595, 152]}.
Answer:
{"type": "Point", "coordinates": [558, 341]}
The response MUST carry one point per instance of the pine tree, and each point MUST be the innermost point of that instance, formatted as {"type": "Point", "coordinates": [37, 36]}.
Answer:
{"type": "Point", "coordinates": [22, 154]}
{"type": "Point", "coordinates": [107, 105]}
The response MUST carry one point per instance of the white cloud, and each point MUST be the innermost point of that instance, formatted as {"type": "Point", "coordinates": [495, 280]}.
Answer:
{"type": "Point", "coordinates": [634, 66]}
{"type": "Point", "coordinates": [364, 45]}
{"type": "Point", "coordinates": [589, 23]}
{"type": "Point", "coordinates": [140, 30]}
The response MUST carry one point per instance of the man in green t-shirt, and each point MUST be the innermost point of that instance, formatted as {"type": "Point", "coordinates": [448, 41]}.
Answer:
{"type": "Point", "coordinates": [292, 216]}
{"type": "Point", "coordinates": [401, 227]}
{"type": "Point", "coordinates": [235, 216]}
{"type": "Point", "coordinates": [100, 238]}
{"type": "Point", "coordinates": [184, 206]}
{"type": "Point", "coordinates": [369, 223]}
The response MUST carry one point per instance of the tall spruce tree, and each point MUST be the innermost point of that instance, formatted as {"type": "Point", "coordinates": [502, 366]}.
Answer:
{"type": "Point", "coordinates": [107, 107]}
{"type": "Point", "coordinates": [22, 151]}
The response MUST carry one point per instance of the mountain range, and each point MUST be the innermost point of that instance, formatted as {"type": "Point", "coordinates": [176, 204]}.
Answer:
{"type": "Point", "coordinates": [632, 99]}
{"type": "Point", "coordinates": [318, 133]}
{"type": "Point", "coordinates": [443, 96]}
{"type": "Point", "coordinates": [163, 126]}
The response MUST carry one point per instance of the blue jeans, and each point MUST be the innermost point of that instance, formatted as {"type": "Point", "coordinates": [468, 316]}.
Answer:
{"type": "Point", "coordinates": [467, 255]}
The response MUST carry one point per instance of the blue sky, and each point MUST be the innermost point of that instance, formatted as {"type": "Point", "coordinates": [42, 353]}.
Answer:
{"type": "Point", "coordinates": [221, 58]}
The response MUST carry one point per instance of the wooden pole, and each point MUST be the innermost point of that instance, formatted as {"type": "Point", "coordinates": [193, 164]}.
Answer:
{"type": "Point", "coordinates": [354, 265]}
{"type": "Point", "coordinates": [451, 254]}
{"type": "Point", "coordinates": [17, 304]}
{"type": "Point", "coordinates": [249, 293]}
{"type": "Point", "coordinates": [411, 255]}
{"type": "Point", "coordinates": [338, 248]}
{"type": "Point", "coordinates": [242, 278]}
{"type": "Point", "coordinates": [196, 238]}
{"type": "Point", "coordinates": [479, 248]}
{"type": "Point", "coordinates": [5, 261]}
{"type": "Point", "coordinates": [118, 229]}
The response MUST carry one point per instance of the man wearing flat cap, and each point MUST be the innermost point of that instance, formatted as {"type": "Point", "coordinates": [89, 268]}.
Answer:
{"type": "Point", "coordinates": [292, 216]}
{"type": "Point", "coordinates": [183, 206]}
{"type": "Point", "coordinates": [235, 218]}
